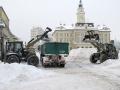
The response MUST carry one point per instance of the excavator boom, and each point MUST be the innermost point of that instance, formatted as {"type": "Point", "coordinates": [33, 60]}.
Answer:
{"type": "Point", "coordinates": [33, 41]}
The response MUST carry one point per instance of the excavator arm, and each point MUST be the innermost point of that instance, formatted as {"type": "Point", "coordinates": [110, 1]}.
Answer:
{"type": "Point", "coordinates": [98, 45]}
{"type": "Point", "coordinates": [95, 43]}
{"type": "Point", "coordinates": [33, 41]}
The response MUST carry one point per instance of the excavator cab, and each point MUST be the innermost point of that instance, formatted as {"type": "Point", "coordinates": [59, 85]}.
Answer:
{"type": "Point", "coordinates": [13, 52]}
{"type": "Point", "coordinates": [14, 47]}
{"type": "Point", "coordinates": [111, 51]}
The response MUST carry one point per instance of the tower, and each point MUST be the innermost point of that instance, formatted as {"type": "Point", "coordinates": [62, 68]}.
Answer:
{"type": "Point", "coordinates": [80, 13]}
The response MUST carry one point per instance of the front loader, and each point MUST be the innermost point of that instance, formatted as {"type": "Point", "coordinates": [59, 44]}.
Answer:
{"type": "Point", "coordinates": [15, 51]}
{"type": "Point", "coordinates": [104, 51]}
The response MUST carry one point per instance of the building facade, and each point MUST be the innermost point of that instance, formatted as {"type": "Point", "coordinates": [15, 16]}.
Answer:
{"type": "Point", "coordinates": [8, 36]}
{"type": "Point", "coordinates": [74, 35]}
{"type": "Point", "coordinates": [34, 32]}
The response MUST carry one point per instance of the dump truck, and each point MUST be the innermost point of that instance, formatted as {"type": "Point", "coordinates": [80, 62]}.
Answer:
{"type": "Point", "coordinates": [53, 54]}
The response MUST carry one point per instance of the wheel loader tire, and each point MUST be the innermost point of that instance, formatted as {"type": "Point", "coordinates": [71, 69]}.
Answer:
{"type": "Point", "coordinates": [103, 58]}
{"type": "Point", "coordinates": [12, 59]}
{"type": "Point", "coordinates": [94, 58]}
{"type": "Point", "coordinates": [33, 60]}
{"type": "Point", "coordinates": [29, 54]}
{"type": "Point", "coordinates": [114, 56]}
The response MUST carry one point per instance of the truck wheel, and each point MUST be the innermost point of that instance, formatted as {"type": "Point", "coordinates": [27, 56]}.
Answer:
{"type": "Point", "coordinates": [62, 65]}
{"type": "Point", "coordinates": [41, 60]}
{"type": "Point", "coordinates": [12, 59]}
{"type": "Point", "coordinates": [33, 60]}
{"type": "Point", "coordinates": [103, 58]}
{"type": "Point", "coordinates": [45, 66]}
{"type": "Point", "coordinates": [94, 58]}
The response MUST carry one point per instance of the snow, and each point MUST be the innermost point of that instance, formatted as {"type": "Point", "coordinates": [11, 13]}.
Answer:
{"type": "Point", "coordinates": [81, 53]}
{"type": "Point", "coordinates": [78, 74]}
{"type": "Point", "coordinates": [109, 69]}
{"type": "Point", "coordinates": [20, 73]}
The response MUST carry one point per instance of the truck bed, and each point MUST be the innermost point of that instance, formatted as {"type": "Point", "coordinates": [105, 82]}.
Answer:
{"type": "Point", "coordinates": [55, 48]}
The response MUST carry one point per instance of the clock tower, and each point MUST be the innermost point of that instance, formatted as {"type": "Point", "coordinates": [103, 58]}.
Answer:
{"type": "Point", "coordinates": [80, 13]}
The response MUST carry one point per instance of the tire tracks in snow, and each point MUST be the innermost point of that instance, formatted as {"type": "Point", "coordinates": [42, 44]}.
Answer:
{"type": "Point", "coordinates": [78, 68]}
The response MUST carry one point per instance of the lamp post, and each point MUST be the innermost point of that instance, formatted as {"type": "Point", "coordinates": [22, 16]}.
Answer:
{"type": "Point", "coordinates": [2, 25]}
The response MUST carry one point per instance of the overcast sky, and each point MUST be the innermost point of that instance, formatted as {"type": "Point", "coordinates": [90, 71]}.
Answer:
{"type": "Point", "coordinates": [24, 14]}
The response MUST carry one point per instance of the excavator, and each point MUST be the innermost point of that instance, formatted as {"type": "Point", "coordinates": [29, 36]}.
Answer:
{"type": "Point", "coordinates": [104, 52]}
{"type": "Point", "coordinates": [16, 52]}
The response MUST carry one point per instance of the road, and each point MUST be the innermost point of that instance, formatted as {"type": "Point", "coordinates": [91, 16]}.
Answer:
{"type": "Point", "coordinates": [75, 76]}
{"type": "Point", "coordinates": [81, 77]}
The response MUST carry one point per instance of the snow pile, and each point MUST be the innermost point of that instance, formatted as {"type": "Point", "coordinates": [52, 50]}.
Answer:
{"type": "Point", "coordinates": [12, 73]}
{"type": "Point", "coordinates": [81, 53]}
{"type": "Point", "coordinates": [80, 58]}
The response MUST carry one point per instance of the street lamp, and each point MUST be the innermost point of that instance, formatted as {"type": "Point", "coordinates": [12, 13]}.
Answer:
{"type": "Point", "coordinates": [2, 25]}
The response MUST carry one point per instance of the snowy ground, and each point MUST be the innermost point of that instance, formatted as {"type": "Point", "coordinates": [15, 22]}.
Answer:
{"type": "Point", "coordinates": [78, 74]}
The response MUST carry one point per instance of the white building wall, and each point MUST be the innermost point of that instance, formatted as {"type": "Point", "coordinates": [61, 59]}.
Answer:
{"type": "Point", "coordinates": [75, 36]}
{"type": "Point", "coordinates": [34, 32]}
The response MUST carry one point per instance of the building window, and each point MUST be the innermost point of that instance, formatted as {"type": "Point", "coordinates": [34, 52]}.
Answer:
{"type": "Point", "coordinates": [67, 35]}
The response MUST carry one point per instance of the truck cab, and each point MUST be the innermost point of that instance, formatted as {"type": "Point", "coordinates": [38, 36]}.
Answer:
{"type": "Point", "coordinates": [14, 47]}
